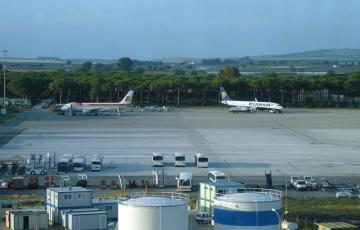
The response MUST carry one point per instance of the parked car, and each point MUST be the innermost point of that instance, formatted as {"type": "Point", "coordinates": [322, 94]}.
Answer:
{"type": "Point", "coordinates": [36, 171]}
{"type": "Point", "coordinates": [343, 193]}
{"type": "Point", "coordinates": [293, 180]}
{"type": "Point", "coordinates": [325, 184]}
{"type": "Point", "coordinates": [203, 218]}
{"type": "Point", "coordinates": [300, 185]}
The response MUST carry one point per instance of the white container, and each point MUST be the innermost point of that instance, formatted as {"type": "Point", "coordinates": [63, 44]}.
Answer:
{"type": "Point", "coordinates": [258, 209]}
{"type": "Point", "coordinates": [165, 211]}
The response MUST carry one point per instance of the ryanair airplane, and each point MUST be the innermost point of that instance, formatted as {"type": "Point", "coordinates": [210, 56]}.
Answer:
{"type": "Point", "coordinates": [248, 106]}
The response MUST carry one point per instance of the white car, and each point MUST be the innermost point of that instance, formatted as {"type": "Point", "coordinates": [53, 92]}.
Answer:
{"type": "Point", "coordinates": [300, 185]}
{"type": "Point", "coordinates": [35, 171]}
{"type": "Point", "coordinates": [343, 193]}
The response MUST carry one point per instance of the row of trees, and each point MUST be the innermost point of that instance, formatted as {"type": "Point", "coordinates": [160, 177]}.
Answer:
{"type": "Point", "coordinates": [183, 90]}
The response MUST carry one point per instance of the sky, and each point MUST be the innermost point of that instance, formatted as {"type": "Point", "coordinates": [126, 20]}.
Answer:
{"type": "Point", "coordinates": [151, 29]}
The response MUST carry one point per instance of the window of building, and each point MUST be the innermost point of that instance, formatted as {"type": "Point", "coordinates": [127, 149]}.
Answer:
{"type": "Point", "coordinates": [67, 197]}
{"type": "Point", "coordinates": [81, 196]}
{"type": "Point", "coordinates": [109, 208]}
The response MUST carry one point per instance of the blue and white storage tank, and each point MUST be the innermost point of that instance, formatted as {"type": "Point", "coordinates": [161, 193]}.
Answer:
{"type": "Point", "coordinates": [252, 209]}
{"type": "Point", "coordinates": [153, 211]}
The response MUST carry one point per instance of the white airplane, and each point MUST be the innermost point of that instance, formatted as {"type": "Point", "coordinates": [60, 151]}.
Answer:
{"type": "Point", "coordinates": [248, 106]}
{"type": "Point", "coordinates": [95, 108]}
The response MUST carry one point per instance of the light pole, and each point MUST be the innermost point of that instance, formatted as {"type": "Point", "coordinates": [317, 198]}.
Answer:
{"type": "Point", "coordinates": [5, 51]}
{"type": "Point", "coordinates": [279, 217]}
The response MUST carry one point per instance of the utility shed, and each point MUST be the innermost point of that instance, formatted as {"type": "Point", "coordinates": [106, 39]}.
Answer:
{"type": "Point", "coordinates": [63, 198]}
{"type": "Point", "coordinates": [109, 206]}
{"type": "Point", "coordinates": [64, 214]}
{"type": "Point", "coordinates": [6, 205]}
{"type": "Point", "coordinates": [336, 226]}
{"type": "Point", "coordinates": [209, 190]}
{"type": "Point", "coordinates": [31, 219]}
{"type": "Point", "coordinates": [87, 220]}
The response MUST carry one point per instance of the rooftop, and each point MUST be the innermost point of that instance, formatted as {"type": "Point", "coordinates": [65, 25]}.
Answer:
{"type": "Point", "coordinates": [69, 189]}
{"type": "Point", "coordinates": [225, 183]}
{"type": "Point", "coordinates": [336, 225]}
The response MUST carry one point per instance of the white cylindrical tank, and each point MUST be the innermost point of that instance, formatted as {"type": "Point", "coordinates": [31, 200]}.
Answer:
{"type": "Point", "coordinates": [252, 209]}
{"type": "Point", "coordinates": [154, 212]}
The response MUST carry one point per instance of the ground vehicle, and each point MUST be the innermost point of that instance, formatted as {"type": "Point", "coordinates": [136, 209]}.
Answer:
{"type": "Point", "coordinates": [82, 180]}
{"type": "Point", "coordinates": [79, 163]}
{"type": "Point", "coordinates": [343, 193]}
{"type": "Point", "coordinates": [216, 175]}
{"type": "Point", "coordinates": [157, 159]}
{"type": "Point", "coordinates": [38, 170]}
{"type": "Point", "coordinates": [65, 163]}
{"type": "Point", "coordinates": [325, 184]}
{"type": "Point", "coordinates": [300, 185]}
{"type": "Point", "coordinates": [312, 184]}
{"type": "Point", "coordinates": [201, 161]}
{"type": "Point", "coordinates": [184, 182]}
{"type": "Point", "coordinates": [179, 159]}
{"type": "Point", "coordinates": [293, 180]}
{"type": "Point", "coordinates": [203, 218]}
{"type": "Point", "coordinates": [96, 162]}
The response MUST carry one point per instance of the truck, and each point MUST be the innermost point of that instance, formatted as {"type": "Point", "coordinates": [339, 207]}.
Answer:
{"type": "Point", "coordinates": [65, 163]}
{"type": "Point", "coordinates": [79, 163]}
{"type": "Point", "coordinates": [96, 163]}
{"type": "Point", "coordinates": [179, 160]}
{"type": "Point", "coordinates": [184, 182]}
{"type": "Point", "coordinates": [201, 161]}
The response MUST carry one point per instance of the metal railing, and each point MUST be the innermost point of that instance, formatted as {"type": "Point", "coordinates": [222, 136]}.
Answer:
{"type": "Point", "coordinates": [133, 197]}
{"type": "Point", "coordinates": [269, 195]}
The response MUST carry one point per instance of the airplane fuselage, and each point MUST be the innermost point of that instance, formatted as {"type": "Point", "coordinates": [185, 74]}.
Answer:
{"type": "Point", "coordinates": [254, 105]}
{"type": "Point", "coordinates": [97, 106]}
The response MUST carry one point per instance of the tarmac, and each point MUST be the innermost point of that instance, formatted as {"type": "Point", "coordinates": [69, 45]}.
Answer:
{"type": "Point", "coordinates": [316, 142]}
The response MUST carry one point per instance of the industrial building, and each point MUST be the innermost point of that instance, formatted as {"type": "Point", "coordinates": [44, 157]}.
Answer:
{"type": "Point", "coordinates": [30, 219]}
{"type": "Point", "coordinates": [109, 206]}
{"type": "Point", "coordinates": [259, 209]}
{"type": "Point", "coordinates": [63, 198]}
{"type": "Point", "coordinates": [154, 211]}
{"type": "Point", "coordinates": [86, 220]}
{"type": "Point", "coordinates": [64, 214]}
{"type": "Point", "coordinates": [208, 190]}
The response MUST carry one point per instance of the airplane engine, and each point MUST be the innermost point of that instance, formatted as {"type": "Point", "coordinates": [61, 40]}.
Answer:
{"type": "Point", "coordinates": [85, 112]}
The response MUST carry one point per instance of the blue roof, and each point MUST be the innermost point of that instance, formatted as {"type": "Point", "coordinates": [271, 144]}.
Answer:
{"type": "Point", "coordinates": [225, 183]}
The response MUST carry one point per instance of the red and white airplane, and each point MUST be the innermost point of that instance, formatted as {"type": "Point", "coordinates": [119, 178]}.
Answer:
{"type": "Point", "coordinates": [95, 108]}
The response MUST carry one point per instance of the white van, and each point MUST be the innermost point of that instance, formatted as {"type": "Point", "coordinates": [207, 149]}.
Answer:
{"type": "Point", "coordinates": [201, 161]}
{"type": "Point", "coordinates": [216, 176]}
{"type": "Point", "coordinates": [179, 160]}
{"type": "Point", "coordinates": [157, 159]}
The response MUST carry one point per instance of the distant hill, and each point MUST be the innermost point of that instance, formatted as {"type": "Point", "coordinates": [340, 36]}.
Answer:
{"type": "Point", "coordinates": [318, 54]}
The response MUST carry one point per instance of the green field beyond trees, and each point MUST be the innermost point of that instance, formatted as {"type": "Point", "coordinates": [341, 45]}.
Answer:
{"type": "Point", "coordinates": [171, 89]}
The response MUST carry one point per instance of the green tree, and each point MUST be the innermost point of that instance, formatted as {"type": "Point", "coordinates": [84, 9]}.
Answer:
{"type": "Point", "coordinates": [86, 66]}
{"type": "Point", "coordinates": [229, 72]}
{"type": "Point", "coordinates": [21, 86]}
{"type": "Point", "coordinates": [125, 64]}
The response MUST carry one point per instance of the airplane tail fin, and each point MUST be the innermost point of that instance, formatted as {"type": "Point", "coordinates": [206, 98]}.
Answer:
{"type": "Point", "coordinates": [128, 98]}
{"type": "Point", "coordinates": [224, 95]}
